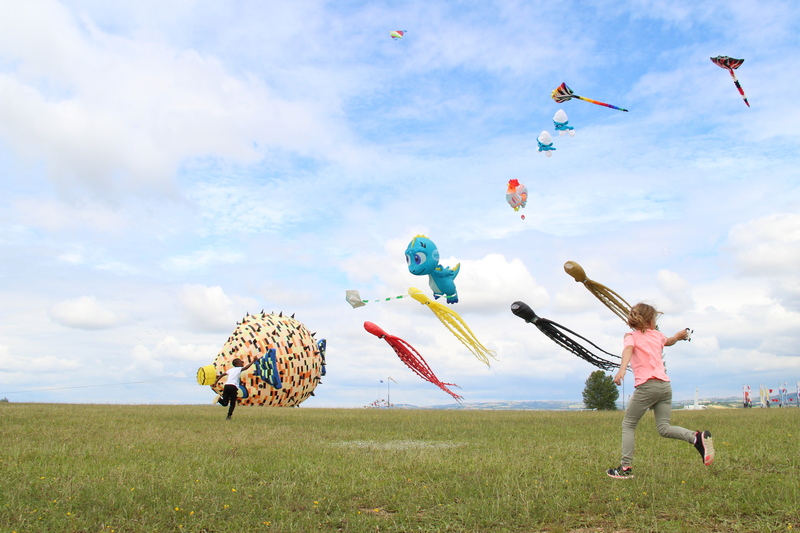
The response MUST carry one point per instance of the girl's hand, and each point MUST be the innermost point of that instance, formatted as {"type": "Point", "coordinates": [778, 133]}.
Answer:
{"type": "Point", "coordinates": [619, 377]}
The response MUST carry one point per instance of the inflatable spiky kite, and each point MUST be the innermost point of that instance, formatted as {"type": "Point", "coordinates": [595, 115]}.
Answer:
{"type": "Point", "coordinates": [290, 362]}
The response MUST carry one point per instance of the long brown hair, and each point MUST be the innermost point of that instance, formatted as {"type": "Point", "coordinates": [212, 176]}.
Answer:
{"type": "Point", "coordinates": [642, 316]}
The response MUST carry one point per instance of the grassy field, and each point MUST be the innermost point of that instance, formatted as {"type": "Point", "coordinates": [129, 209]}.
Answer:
{"type": "Point", "coordinates": [97, 468]}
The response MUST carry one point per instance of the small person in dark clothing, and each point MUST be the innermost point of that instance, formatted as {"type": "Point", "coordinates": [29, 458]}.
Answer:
{"type": "Point", "coordinates": [230, 392]}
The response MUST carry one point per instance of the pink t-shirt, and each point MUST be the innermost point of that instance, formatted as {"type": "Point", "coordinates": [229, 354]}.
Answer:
{"type": "Point", "coordinates": [646, 360]}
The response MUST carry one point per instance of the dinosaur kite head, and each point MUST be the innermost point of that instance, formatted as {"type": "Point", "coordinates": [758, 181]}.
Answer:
{"type": "Point", "coordinates": [422, 256]}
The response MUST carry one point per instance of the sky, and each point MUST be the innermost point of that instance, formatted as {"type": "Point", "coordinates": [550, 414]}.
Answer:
{"type": "Point", "coordinates": [168, 168]}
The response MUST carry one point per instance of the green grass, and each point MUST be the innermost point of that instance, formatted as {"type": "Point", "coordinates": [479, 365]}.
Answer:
{"type": "Point", "coordinates": [103, 468]}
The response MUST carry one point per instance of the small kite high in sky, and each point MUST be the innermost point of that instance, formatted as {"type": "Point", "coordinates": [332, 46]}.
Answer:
{"type": "Point", "coordinates": [561, 123]}
{"type": "Point", "coordinates": [610, 299]}
{"type": "Point", "coordinates": [456, 325]}
{"type": "Point", "coordinates": [397, 34]}
{"type": "Point", "coordinates": [411, 358]}
{"type": "Point", "coordinates": [731, 64]}
{"type": "Point", "coordinates": [558, 334]}
{"type": "Point", "coordinates": [562, 94]}
{"type": "Point", "coordinates": [545, 141]}
{"type": "Point", "coordinates": [516, 195]}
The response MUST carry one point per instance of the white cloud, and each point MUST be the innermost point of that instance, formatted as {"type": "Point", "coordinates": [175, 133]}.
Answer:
{"type": "Point", "coordinates": [209, 308]}
{"type": "Point", "coordinates": [768, 245]}
{"type": "Point", "coordinates": [491, 284]}
{"type": "Point", "coordinates": [15, 366]}
{"type": "Point", "coordinates": [201, 259]}
{"type": "Point", "coordinates": [6, 364]}
{"type": "Point", "coordinates": [676, 292]}
{"type": "Point", "coordinates": [123, 114]}
{"type": "Point", "coordinates": [85, 312]}
{"type": "Point", "coordinates": [168, 356]}
{"type": "Point", "coordinates": [769, 248]}
{"type": "Point", "coordinates": [54, 216]}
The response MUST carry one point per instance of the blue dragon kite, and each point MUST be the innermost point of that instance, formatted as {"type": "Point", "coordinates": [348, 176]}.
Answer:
{"type": "Point", "coordinates": [422, 257]}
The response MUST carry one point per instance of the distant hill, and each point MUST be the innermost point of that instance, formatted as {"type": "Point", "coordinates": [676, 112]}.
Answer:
{"type": "Point", "coordinates": [539, 405]}
{"type": "Point", "coordinates": [576, 405]}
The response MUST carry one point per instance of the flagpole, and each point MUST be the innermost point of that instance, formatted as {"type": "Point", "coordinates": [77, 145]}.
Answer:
{"type": "Point", "coordinates": [388, 393]}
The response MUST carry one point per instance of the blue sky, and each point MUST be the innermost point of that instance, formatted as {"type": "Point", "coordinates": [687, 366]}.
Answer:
{"type": "Point", "coordinates": [168, 168]}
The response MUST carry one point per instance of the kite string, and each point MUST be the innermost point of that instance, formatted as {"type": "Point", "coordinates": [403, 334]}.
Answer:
{"type": "Point", "coordinates": [92, 386]}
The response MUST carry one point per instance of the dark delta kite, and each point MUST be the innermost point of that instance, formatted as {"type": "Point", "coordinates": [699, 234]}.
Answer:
{"type": "Point", "coordinates": [731, 64]}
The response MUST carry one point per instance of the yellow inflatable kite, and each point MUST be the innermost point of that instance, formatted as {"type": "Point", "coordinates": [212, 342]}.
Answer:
{"type": "Point", "coordinates": [456, 325]}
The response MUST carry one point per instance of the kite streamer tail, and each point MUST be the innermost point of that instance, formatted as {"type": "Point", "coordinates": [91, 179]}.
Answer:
{"type": "Point", "coordinates": [739, 87]}
{"type": "Point", "coordinates": [551, 330]}
{"type": "Point", "coordinates": [610, 299]}
{"type": "Point", "coordinates": [387, 299]}
{"type": "Point", "coordinates": [598, 103]}
{"type": "Point", "coordinates": [456, 325]}
{"type": "Point", "coordinates": [411, 358]}
{"type": "Point", "coordinates": [354, 298]}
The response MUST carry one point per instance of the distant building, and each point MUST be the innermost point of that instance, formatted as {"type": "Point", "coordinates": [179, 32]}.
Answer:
{"type": "Point", "coordinates": [696, 405]}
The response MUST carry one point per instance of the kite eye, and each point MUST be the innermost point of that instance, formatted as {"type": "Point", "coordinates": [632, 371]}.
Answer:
{"type": "Point", "coordinates": [419, 258]}
{"type": "Point", "coordinates": [408, 259]}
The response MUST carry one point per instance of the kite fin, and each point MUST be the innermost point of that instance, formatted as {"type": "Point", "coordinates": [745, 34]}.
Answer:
{"type": "Point", "coordinates": [267, 369]}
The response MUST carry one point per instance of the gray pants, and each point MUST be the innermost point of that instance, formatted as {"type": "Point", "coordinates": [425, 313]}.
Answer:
{"type": "Point", "coordinates": [652, 394]}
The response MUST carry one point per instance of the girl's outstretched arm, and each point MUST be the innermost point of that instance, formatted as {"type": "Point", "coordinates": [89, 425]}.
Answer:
{"type": "Point", "coordinates": [680, 336]}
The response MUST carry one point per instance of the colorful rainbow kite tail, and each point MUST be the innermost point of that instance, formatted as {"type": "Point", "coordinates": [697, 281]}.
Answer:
{"type": "Point", "coordinates": [563, 93]}
{"type": "Point", "coordinates": [599, 103]}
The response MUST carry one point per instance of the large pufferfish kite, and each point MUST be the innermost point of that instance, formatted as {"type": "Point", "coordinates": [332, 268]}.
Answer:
{"type": "Point", "coordinates": [289, 361]}
{"type": "Point", "coordinates": [422, 257]}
